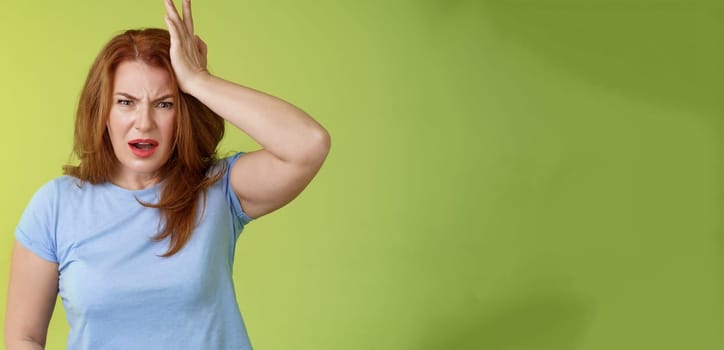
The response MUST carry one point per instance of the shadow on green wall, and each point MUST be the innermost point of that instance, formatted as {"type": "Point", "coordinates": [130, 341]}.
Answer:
{"type": "Point", "coordinates": [539, 320]}
{"type": "Point", "coordinates": [664, 52]}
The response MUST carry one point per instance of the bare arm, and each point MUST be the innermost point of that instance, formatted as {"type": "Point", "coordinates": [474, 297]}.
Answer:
{"type": "Point", "coordinates": [31, 298]}
{"type": "Point", "coordinates": [294, 144]}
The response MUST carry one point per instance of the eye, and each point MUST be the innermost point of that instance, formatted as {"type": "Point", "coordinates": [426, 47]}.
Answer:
{"type": "Point", "coordinates": [124, 102]}
{"type": "Point", "coordinates": [165, 105]}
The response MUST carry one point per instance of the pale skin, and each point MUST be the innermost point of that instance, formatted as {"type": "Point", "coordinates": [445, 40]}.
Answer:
{"type": "Point", "coordinates": [294, 146]}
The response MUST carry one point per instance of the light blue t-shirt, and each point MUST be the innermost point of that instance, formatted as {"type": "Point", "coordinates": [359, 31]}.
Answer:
{"type": "Point", "coordinates": [117, 291]}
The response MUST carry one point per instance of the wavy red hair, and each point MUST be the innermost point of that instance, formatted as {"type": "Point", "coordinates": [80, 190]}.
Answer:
{"type": "Point", "coordinates": [186, 174]}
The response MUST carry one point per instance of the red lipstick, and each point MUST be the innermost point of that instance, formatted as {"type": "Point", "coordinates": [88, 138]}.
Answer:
{"type": "Point", "coordinates": [143, 148]}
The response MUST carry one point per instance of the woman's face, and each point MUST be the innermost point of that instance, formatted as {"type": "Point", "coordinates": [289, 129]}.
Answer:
{"type": "Point", "coordinates": [141, 122]}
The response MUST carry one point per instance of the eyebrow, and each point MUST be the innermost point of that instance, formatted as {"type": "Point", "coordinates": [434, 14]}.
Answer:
{"type": "Point", "coordinates": [131, 97]}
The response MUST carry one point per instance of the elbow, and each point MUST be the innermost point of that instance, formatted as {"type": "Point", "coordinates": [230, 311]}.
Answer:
{"type": "Point", "coordinates": [325, 142]}
{"type": "Point", "coordinates": [316, 148]}
{"type": "Point", "coordinates": [322, 143]}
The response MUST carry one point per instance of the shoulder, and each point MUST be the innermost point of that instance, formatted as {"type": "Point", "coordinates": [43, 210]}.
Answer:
{"type": "Point", "coordinates": [67, 182]}
{"type": "Point", "coordinates": [229, 160]}
{"type": "Point", "coordinates": [54, 186]}
{"type": "Point", "coordinates": [60, 187]}
{"type": "Point", "coordinates": [224, 189]}
{"type": "Point", "coordinates": [223, 165]}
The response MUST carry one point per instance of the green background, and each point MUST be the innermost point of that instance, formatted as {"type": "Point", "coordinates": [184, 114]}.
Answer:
{"type": "Point", "coordinates": [503, 174]}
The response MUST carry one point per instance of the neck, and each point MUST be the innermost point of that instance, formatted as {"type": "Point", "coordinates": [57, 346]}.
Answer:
{"type": "Point", "coordinates": [134, 181]}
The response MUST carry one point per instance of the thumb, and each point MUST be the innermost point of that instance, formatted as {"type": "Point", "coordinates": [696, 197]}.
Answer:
{"type": "Point", "coordinates": [201, 45]}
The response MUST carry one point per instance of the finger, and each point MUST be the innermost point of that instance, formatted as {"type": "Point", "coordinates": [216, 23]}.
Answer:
{"type": "Point", "coordinates": [188, 19]}
{"type": "Point", "coordinates": [171, 11]}
{"type": "Point", "coordinates": [172, 30]}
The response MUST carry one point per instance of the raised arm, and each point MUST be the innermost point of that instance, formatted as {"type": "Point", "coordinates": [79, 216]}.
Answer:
{"type": "Point", "coordinates": [31, 298]}
{"type": "Point", "coordinates": [294, 145]}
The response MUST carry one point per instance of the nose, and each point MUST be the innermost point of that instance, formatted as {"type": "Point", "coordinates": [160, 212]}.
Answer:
{"type": "Point", "coordinates": [144, 118]}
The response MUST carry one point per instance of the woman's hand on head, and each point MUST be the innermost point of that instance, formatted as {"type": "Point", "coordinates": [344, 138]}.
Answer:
{"type": "Point", "coordinates": [188, 51]}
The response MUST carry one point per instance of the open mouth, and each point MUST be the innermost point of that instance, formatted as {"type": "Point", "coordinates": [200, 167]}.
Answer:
{"type": "Point", "coordinates": [143, 148]}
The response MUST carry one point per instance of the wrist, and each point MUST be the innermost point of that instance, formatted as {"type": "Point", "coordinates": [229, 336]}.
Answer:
{"type": "Point", "coordinates": [195, 82]}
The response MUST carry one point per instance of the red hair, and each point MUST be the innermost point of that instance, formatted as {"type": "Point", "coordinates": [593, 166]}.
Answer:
{"type": "Point", "coordinates": [185, 175]}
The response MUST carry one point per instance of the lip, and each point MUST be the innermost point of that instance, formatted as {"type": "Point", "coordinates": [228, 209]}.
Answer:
{"type": "Point", "coordinates": [143, 153]}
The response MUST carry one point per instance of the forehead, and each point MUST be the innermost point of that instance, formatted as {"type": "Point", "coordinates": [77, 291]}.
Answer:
{"type": "Point", "coordinates": [136, 77]}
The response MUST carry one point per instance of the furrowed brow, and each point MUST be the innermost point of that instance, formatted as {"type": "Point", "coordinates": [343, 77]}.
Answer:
{"type": "Point", "coordinates": [128, 96]}
{"type": "Point", "coordinates": [164, 97]}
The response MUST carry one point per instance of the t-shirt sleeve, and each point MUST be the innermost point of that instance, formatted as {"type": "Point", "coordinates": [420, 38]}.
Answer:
{"type": "Point", "coordinates": [241, 217]}
{"type": "Point", "coordinates": [36, 229]}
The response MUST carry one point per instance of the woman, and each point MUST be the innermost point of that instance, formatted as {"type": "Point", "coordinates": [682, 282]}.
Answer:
{"type": "Point", "coordinates": [138, 238]}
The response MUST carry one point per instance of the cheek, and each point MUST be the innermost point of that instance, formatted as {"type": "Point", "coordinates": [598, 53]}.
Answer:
{"type": "Point", "coordinates": [115, 124]}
